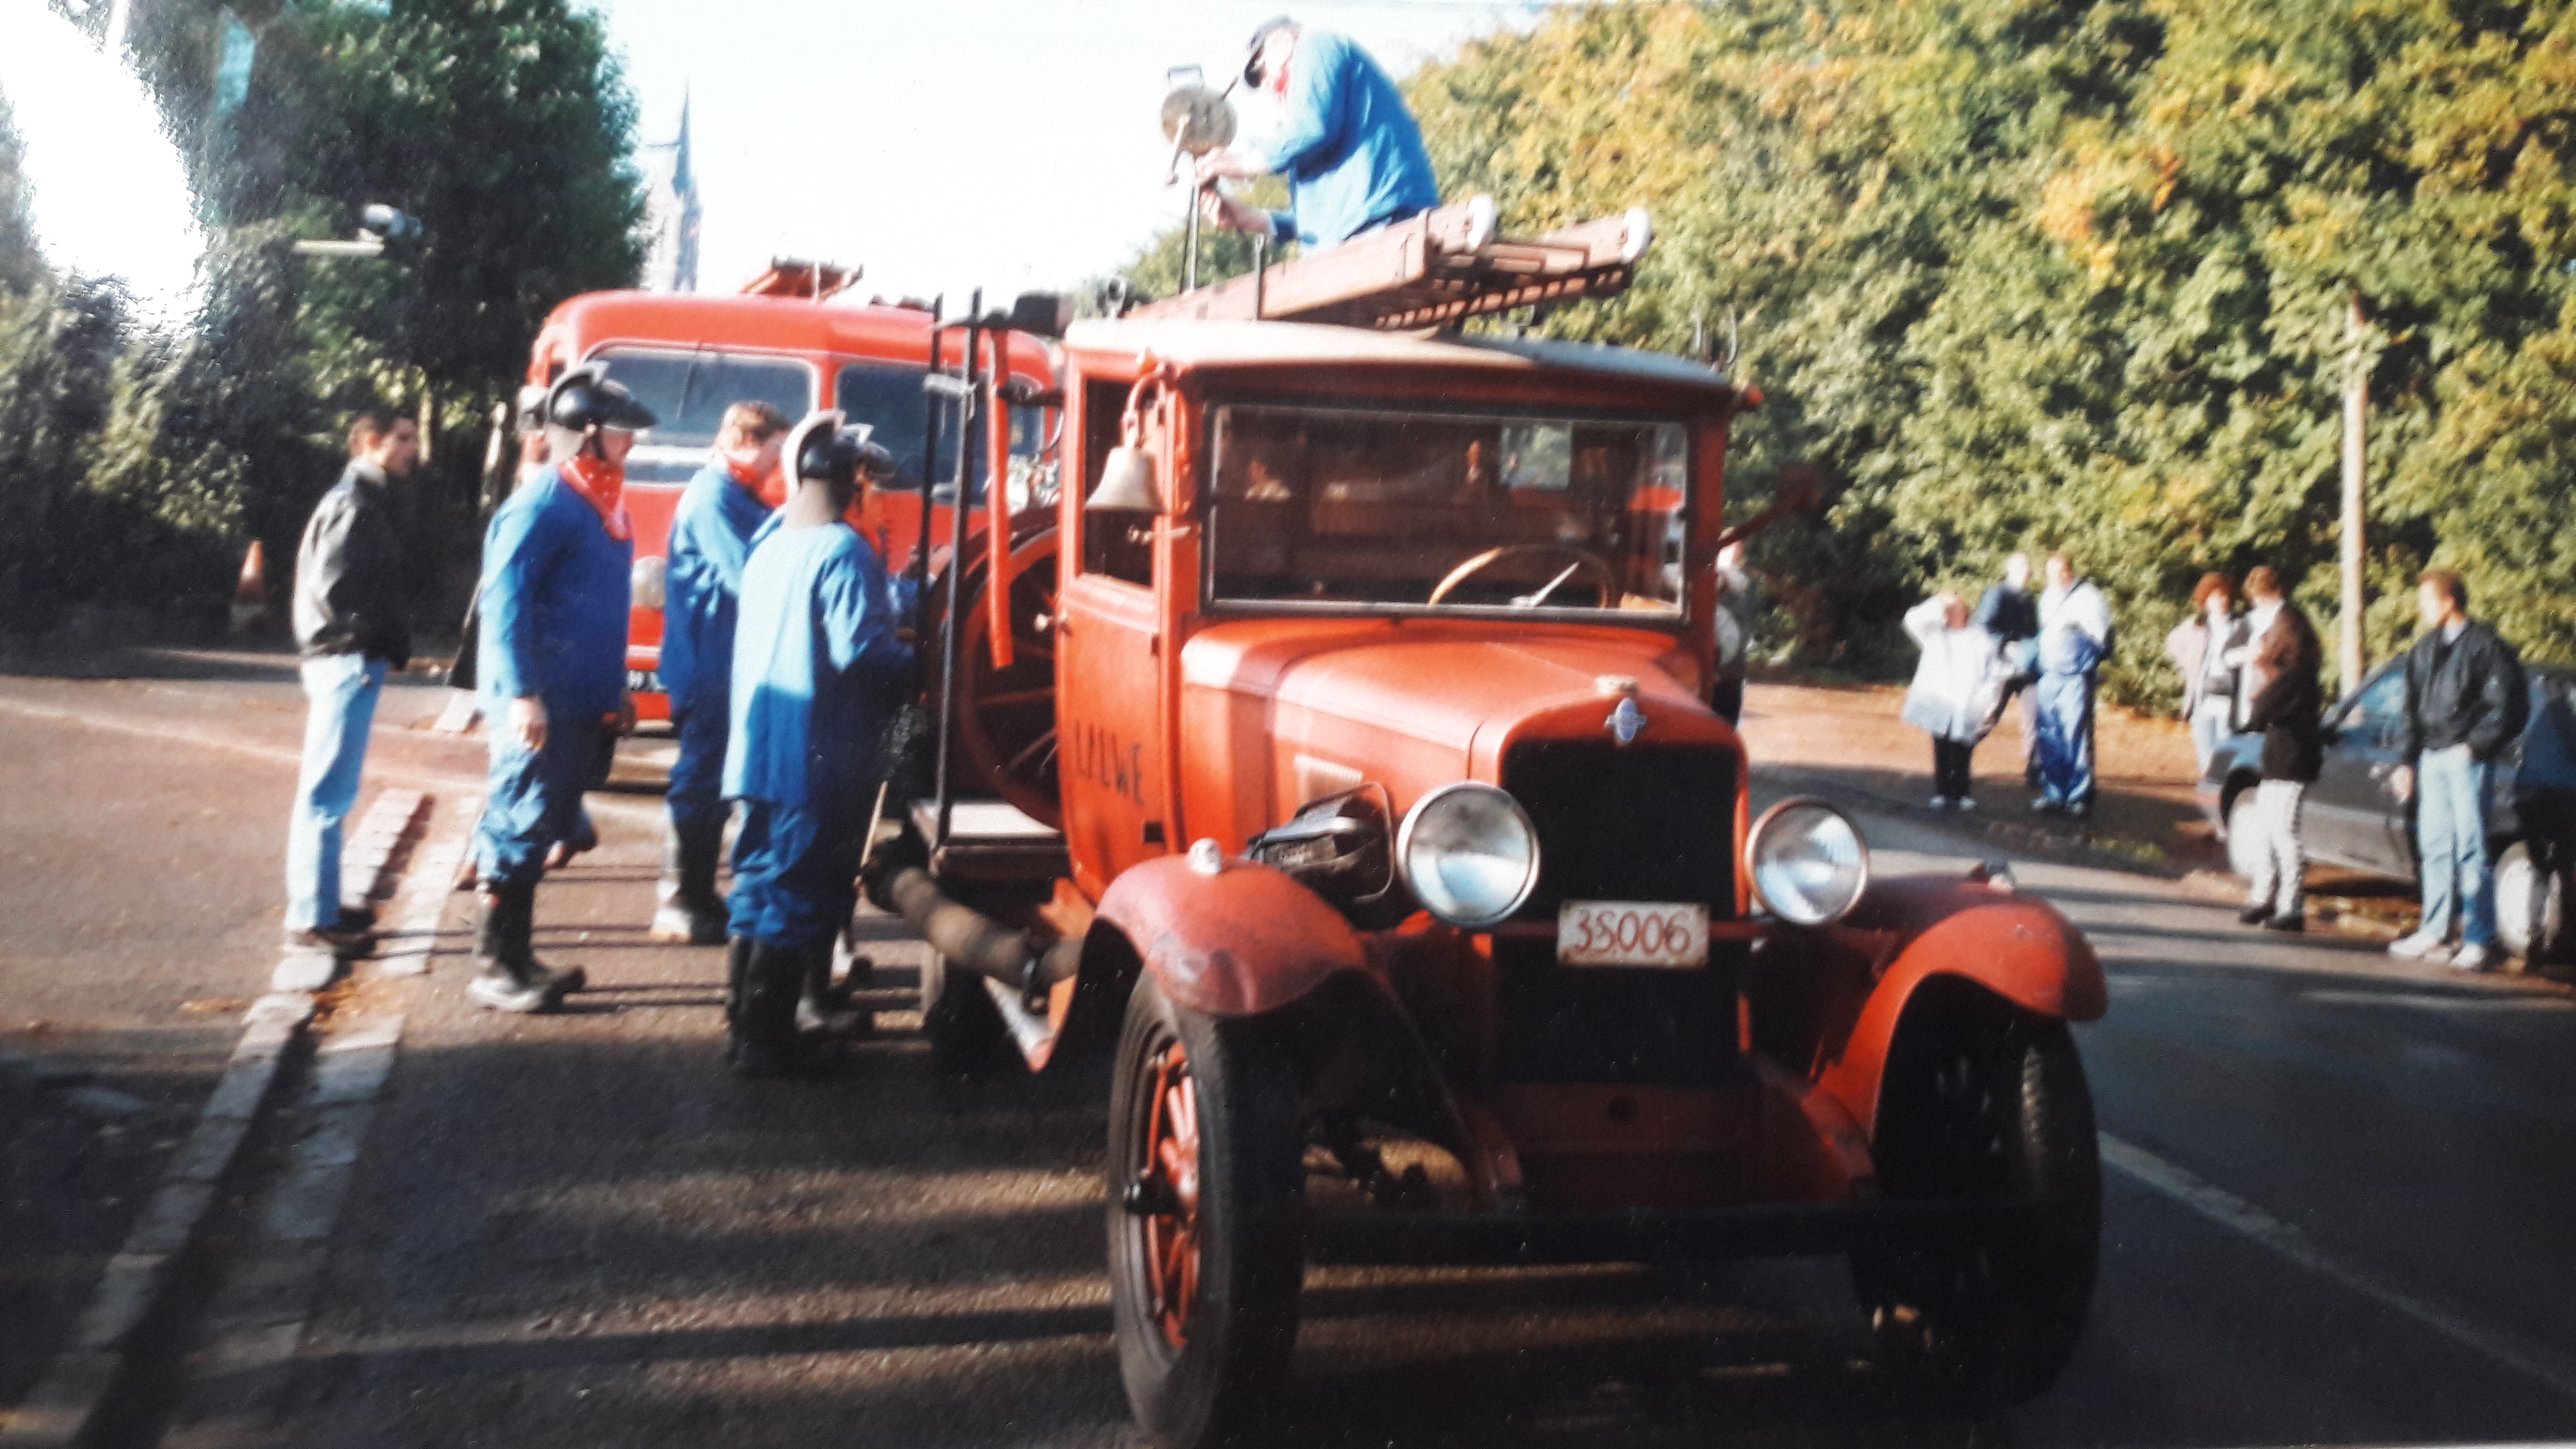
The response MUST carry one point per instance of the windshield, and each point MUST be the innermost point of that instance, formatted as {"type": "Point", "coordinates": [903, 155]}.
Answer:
{"type": "Point", "coordinates": [689, 392]}
{"type": "Point", "coordinates": [888, 396]}
{"type": "Point", "coordinates": [1342, 506]}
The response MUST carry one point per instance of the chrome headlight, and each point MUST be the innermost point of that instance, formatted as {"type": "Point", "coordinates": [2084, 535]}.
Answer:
{"type": "Point", "coordinates": [1807, 862]}
{"type": "Point", "coordinates": [1469, 854]}
{"type": "Point", "coordinates": [646, 582]}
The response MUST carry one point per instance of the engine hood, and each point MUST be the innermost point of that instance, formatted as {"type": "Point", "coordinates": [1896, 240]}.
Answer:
{"type": "Point", "coordinates": [1413, 704]}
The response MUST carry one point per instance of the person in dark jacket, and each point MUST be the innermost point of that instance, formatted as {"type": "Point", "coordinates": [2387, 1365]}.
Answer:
{"type": "Point", "coordinates": [2009, 613]}
{"type": "Point", "coordinates": [2465, 700]}
{"type": "Point", "coordinates": [2287, 710]}
{"type": "Point", "coordinates": [349, 625]}
{"type": "Point", "coordinates": [819, 663]}
{"type": "Point", "coordinates": [710, 537]}
{"type": "Point", "coordinates": [555, 590]}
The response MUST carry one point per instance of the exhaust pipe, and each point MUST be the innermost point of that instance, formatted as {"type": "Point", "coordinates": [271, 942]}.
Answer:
{"type": "Point", "coordinates": [976, 942]}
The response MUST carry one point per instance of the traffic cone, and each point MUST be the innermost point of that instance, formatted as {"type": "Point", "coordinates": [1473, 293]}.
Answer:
{"type": "Point", "coordinates": [250, 595]}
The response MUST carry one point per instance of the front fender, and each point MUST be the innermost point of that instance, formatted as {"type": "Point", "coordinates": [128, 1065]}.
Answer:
{"type": "Point", "coordinates": [2016, 946]}
{"type": "Point", "coordinates": [1246, 940]}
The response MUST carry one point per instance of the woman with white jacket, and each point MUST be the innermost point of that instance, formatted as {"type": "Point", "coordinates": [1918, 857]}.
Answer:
{"type": "Point", "coordinates": [1954, 691]}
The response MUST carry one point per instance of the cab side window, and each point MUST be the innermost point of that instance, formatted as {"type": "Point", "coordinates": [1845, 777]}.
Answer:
{"type": "Point", "coordinates": [1114, 545]}
{"type": "Point", "coordinates": [2377, 719]}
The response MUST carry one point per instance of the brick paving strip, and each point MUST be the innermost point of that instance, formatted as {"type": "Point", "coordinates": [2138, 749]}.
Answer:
{"type": "Point", "coordinates": [82, 1383]}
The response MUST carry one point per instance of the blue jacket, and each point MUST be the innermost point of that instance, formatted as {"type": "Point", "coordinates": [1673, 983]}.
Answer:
{"type": "Point", "coordinates": [710, 537]}
{"type": "Point", "coordinates": [554, 601]}
{"type": "Point", "coordinates": [816, 669]}
{"type": "Point", "coordinates": [1349, 148]}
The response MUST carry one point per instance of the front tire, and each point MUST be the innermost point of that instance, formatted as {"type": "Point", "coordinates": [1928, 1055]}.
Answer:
{"type": "Point", "coordinates": [2530, 905]}
{"type": "Point", "coordinates": [1206, 1251]}
{"type": "Point", "coordinates": [1985, 1102]}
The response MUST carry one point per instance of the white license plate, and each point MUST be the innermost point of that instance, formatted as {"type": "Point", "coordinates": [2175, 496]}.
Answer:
{"type": "Point", "coordinates": [1632, 933]}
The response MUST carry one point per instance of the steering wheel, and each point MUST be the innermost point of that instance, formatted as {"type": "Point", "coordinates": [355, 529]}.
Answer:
{"type": "Point", "coordinates": [1584, 558]}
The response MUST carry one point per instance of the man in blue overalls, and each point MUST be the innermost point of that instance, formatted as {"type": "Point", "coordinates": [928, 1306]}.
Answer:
{"type": "Point", "coordinates": [819, 665]}
{"type": "Point", "coordinates": [2074, 639]}
{"type": "Point", "coordinates": [710, 537]}
{"type": "Point", "coordinates": [552, 663]}
{"type": "Point", "coordinates": [1348, 146]}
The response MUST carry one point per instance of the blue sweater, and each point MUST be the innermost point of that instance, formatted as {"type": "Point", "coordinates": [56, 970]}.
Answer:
{"type": "Point", "coordinates": [1349, 148]}
{"type": "Point", "coordinates": [710, 538]}
{"type": "Point", "coordinates": [816, 667]}
{"type": "Point", "coordinates": [554, 603]}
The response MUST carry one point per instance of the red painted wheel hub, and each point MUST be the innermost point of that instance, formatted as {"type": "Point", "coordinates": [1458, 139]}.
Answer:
{"type": "Point", "coordinates": [1171, 1180]}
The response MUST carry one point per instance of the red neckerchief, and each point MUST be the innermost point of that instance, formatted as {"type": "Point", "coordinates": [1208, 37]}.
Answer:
{"type": "Point", "coordinates": [742, 474]}
{"type": "Point", "coordinates": [603, 485]}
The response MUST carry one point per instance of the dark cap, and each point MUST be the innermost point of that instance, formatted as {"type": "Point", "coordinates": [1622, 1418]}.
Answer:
{"type": "Point", "coordinates": [1252, 49]}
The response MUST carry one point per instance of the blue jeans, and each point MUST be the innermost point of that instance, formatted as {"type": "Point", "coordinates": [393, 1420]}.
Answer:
{"type": "Point", "coordinates": [343, 689]}
{"type": "Point", "coordinates": [2212, 721]}
{"type": "Point", "coordinates": [2451, 840]}
{"type": "Point", "coordinates": [2065, 708]}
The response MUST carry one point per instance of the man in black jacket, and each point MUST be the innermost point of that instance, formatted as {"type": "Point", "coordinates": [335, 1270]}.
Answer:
{"type": "Point", "coordinates": [349, 623]}
{"type": "Point", "coordinates": [2465, 700]}
{"type": "Point", "coordinates": [2286, 657]}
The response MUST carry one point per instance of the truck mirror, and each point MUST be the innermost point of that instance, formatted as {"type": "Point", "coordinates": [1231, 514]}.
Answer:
{"type": "Point", "coordinates": [1126, 484]}
{"type": "Point", "coordinates": [1045, 314]}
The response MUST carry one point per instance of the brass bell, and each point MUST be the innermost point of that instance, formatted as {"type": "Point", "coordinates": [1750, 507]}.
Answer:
{"type": "Point", "coordinates": [1126, 484]}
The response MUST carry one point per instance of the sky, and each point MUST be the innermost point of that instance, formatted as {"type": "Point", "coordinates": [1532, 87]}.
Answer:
{"type": "Point", "coordinates": [946, 144]}
{"type": "Point", "coordinates": [940, 145]}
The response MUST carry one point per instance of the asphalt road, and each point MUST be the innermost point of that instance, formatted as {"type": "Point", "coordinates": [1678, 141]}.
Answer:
{"type": "Point", "coordinates": [2338, 1209]}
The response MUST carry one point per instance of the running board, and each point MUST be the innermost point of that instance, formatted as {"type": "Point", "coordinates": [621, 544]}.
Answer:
{"type": "Point", "coordinates": [1639, 1235]}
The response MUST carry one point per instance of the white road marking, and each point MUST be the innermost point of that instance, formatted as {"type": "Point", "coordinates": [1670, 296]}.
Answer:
{"type": "Point", "coordinates": [2442, 1001]}
{"type": "Point", "coordinates": [2226, 1209]}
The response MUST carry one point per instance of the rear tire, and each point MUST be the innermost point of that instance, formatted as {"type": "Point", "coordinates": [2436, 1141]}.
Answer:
{"type": "Point", "coordinates": [1206, 1249]}
{"type": "Point", "coordinates": [2245, 843]}
{"type": "Point", "coordinates": [2530, 906]}
{"type": "Point", "coordinates": [1984, 1101]}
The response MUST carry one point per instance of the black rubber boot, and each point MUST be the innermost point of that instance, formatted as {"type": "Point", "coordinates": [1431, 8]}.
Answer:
{"type": "Point", "coordinates": [824, 1011]}
{"type": "Point", "coordinates": [737, 966]}
{"type": "Point", "coordinates": [688, 909]}
{"type": "Point", "coordinates": [764, 1017]}
{"type": "Point", "coordinates": [511, 979]}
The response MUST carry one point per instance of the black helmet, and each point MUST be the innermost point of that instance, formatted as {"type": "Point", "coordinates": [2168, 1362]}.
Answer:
{"type": "Point", "coordinates": [825, 447]}
{"type": "Point", "coordinates": [583, 399]}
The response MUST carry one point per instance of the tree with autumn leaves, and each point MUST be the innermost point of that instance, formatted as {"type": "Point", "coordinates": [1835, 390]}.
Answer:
{"type": "Point", "coordinates": [2036, 275]}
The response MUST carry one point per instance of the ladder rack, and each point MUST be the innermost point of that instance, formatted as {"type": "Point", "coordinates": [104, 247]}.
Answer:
{"type": "Point", "coordinates": [1427, 272]}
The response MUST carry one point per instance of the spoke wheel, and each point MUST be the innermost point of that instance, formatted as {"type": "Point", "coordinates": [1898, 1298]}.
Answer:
{"type": "Point", "coordinates": [1006, 727]}
{"type": "Point", "coordinates": [1205, 1190]}
{"type": "Point", "coordinates": [1984, 1102]}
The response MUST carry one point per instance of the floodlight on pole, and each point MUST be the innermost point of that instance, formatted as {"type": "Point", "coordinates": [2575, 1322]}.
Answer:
{"type": "Point", "coordinates": [379, 224]}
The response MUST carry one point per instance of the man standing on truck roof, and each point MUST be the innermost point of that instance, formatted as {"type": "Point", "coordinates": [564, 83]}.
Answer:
{"type": "Point", "coordinates": [711, 535]}
{"type": "Point", "coordinates": [552, 662]}
{"type": "Point", "coordinates": [1346, 142]}
{"type": "Point", "coordinates": [350, 628]}
{"type": "Point", "coordinates": [819, 663]}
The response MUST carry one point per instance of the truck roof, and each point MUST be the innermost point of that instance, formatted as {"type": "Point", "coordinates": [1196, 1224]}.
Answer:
{"type": "Point", "coordinates": [1195, 344]}
{"type": "Point", "coordinates": [780, 324]}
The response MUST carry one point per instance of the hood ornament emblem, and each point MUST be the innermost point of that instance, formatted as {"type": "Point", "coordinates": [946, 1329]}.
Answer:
{"type": "Point", "coordinates": [1625, 722]}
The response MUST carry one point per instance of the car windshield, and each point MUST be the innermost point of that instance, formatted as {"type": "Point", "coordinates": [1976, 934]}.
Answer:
{"type": "Point", "coordinates": [887, 396]}
{"type": "Point", "coordinates": [689, 392]}
{"type": "Point", "coordinates": [1342, 506]}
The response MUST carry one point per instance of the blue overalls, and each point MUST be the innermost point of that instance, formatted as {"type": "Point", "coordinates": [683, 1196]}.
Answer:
{"type": "Point", "coordinates": [711, 534]}
{"type": "Point", "coordinates": [554, 601]}
{"type": "Point", "coordinates": [2069, 659]}
{"type": "Point", "coordinates": [817, 669]}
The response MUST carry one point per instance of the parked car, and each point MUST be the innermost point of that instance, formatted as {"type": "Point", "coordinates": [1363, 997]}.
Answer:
{"type": "Point", "coordinates": [2352, 817]}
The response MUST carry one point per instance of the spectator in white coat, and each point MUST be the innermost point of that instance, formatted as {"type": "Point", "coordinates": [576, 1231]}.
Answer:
{"type": "Point", "coordinates": [1954, 692]}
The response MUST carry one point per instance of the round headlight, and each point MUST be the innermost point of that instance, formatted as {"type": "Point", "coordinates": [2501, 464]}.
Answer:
{"type": "Point", "coordinates": [1469, 854]}
{"type": "Point", "coordinates": [1807, 862]}
{"type": "Point", "coordinates": [647, 581]}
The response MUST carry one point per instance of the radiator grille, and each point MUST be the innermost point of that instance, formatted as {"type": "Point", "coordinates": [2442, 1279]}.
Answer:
{"type": "Point", "coordinates": [1632, 824]}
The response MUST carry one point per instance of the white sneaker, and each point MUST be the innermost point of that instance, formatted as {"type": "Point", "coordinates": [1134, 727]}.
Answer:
{"type": "Point", "coordinates": [2473, 958]}
{"type": "Point", "coordinates": [1967, 805]}
{"type": "Point", "coordinates": [1940, 802]}
{"type": "Point", "coordinates": [2417, 947]}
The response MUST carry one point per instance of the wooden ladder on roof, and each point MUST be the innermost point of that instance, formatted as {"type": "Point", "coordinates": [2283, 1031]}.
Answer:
{"type": "Point", "coordinates": [1427, 272]}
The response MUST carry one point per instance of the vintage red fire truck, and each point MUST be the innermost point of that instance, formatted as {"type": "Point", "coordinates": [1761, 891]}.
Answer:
{"type": "Point", "coordinates": [1392, 852]}
{"type": "Point", "coordinates": [793, 339]}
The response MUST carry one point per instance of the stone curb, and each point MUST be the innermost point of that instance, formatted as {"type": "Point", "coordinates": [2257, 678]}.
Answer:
{"type": "Point", "coordinates": [370, 862]}
{"type": "Point", "coordinates": [64, 1404]}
